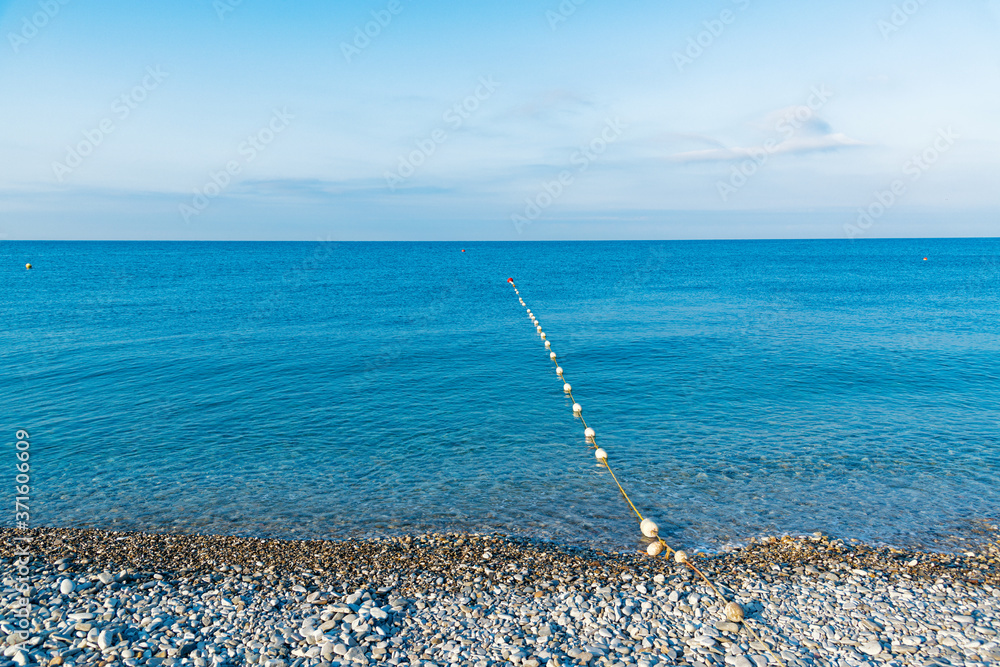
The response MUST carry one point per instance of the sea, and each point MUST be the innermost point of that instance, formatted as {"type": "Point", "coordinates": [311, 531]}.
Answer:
{"type": "Point", "coordinates": [352, 390]}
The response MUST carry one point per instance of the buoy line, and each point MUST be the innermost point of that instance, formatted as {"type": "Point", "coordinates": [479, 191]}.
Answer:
{"type": "Point", "coordinates": [733, 611]}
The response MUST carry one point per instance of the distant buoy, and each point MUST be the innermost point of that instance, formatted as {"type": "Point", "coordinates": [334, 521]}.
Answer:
{"type": "Point", "coordinates": [925, 259]}
{"type": "Point", "coordinates": [548, 344]}
{"type": "Point", "coordinates": [577, 407]}
{"type": "Point", "coordinates": [510, 280]}
{"type": "Point", "coordinates": [27, 266]}
{"type": "Point", "coordinates": [552, 356]}
{"type": "Point", "coordinates": [649, 528]}
{"type": "Point", "coordinates": [463, 249]}
{"type": "Point", "coordinates": [566, 387]}
{"type": "Point", "coordinates": [590, 433]}
{"type": "Point", "coordinates": [600, 454]}
{"type": "Point", "coordinates": [558, 370]}
{"type": "Point", "coordinates": [654, 548]}
{"type": "Point", "coordinates": [543, 337]}
{"type": "Point", "coordinates": [538, 328]}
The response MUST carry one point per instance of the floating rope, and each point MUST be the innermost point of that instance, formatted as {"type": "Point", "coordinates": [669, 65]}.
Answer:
{"type": "Point", "coordinates": [733, 611]}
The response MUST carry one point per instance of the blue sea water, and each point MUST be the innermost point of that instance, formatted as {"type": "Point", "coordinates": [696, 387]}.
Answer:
{"type": "Point", "coordinates": [355, 389]}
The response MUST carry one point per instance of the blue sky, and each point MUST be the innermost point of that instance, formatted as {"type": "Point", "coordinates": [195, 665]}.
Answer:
{"type": "Point", "coordinates": [514, 120]}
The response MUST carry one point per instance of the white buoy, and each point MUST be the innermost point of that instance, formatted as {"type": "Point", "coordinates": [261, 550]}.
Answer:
{"type": "Point", "coordinates": [649, 528]}
{"type": "Point", "coordinates": [734, 612]}
{"type": "Point", "coordinates": [548, 344]}
{"type": "Point", "coordinates": [552, 356]}
{"type": "Point", "coordinates": [654, 548]}
{"type": "Point", "coordinates": [577, 407]}
{"type": "Point", "coordinates": [680, 557]}
{"type": "Point", "coordinates": [589, 432]}
{"type": "Point", "coordinates": [558, 370]}
{"type": "Point", "coordinates": [543, 335]}
{"type": "Point", "coordinates": [566, 387]}
{"type": "Point", "coordinates": [538, 328]}
{"type": "Point", "coordinates": [600, 454]}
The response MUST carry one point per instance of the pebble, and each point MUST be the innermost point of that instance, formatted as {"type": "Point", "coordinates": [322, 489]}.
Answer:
{"type": "Point", "coordinates": [871, 648]}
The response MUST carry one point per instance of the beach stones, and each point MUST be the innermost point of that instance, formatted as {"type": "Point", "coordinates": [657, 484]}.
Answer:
{"type": "Point", "coordinates": [734, 612]}
{"type": "Point", "coordinates": [66, 586]}
{"type": "Point", "coordinates": [728, 626]}
{"type": "Point", "coordinates": [434, 599]}
{"type": "Point", "coordinates": [870, 647]}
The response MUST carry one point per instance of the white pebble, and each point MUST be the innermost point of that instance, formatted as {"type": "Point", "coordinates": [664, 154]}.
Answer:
{"type": "Point", "coordinates": [66, 586]}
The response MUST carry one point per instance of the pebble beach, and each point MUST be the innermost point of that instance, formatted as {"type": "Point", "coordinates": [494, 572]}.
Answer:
{"type": "Point", "coordinates": [106, 599]}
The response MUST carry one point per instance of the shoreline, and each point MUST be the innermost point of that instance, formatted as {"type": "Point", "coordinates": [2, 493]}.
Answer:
{"type": "Point", "coordinates": [201, 600]}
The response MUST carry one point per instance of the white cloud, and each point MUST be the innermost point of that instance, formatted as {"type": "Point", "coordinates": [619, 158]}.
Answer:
{"type": "Point", "coordinates": [792, 130]}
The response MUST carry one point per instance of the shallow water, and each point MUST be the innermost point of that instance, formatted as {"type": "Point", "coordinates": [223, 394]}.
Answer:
{"type": "Point", "coordinates": [335, 390]}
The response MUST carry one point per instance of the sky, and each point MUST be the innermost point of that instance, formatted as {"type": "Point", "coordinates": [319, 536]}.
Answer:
{"type": "Point", "coordinates": [515, 120]}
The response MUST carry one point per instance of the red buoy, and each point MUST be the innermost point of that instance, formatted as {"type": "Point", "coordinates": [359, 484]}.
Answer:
{"type": "Point", "coordinates": [510, 280]}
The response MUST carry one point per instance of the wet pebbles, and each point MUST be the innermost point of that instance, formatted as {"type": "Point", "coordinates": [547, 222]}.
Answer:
{"type": "Point", "coordinates": [132, 599]}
